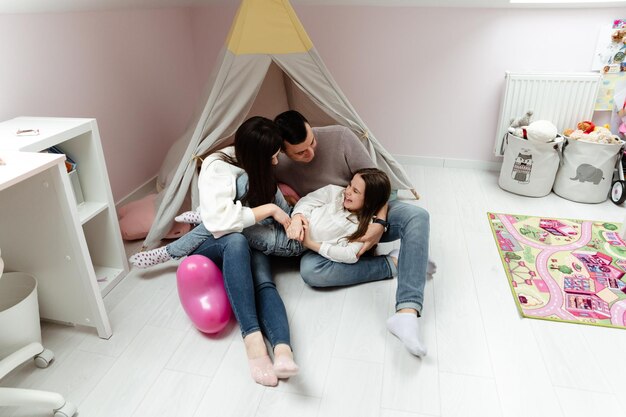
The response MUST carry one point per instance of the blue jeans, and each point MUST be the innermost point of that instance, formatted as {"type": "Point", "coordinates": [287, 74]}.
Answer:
{"type": "Point", "coordinates": [247, 277]}
{"type": "Point", "coordinates": [249, 286]}
{"type": "Point", "coordinates": [268, 236]}
{"type": "Point", "coordinates": [269, 305]}
{"type": "Point", "coordinates": [271, 239]}
{"type": "Point", "coordinates": [406, 222]}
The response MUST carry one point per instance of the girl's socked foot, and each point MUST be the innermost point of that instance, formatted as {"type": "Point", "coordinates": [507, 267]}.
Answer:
{"type": "Point", "coordinates": [262, 371]}
{"type": "Point", "coordinates": [150, 258]}
{"type": "Point", "coordinates": [191, 217]}
{"type": "Point", "coordinates": [285, 367]}
{"type": "Point", "coordinates": [260, 364]}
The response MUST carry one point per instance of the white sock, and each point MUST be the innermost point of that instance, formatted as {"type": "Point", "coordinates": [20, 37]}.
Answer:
{"type": "Point", "coordinates": [405, 326]}
{"type": "Point", "coordinates": [192, 217]}
{"type": "Point", "coordinates": [149, 258]}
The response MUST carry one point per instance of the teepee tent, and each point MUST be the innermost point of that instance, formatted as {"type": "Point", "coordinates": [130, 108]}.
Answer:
{"type": "Point", "coordinates": [268, 64]}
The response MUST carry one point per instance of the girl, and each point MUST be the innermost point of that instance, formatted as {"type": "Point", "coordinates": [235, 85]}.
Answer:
{"type": "Point", "coordinates": [332, 219]}
{"type": "Point", "coordinates": [245, 272]}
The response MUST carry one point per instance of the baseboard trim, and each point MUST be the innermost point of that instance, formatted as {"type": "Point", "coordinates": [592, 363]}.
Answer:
{"type": "Point", "coordinates": [448, 162]}
{"type": "Point", "coordinates": [139, 192]}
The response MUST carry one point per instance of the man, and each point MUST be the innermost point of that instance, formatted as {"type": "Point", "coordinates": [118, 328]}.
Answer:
{"type": "Point", "coordinates": [315, 157]}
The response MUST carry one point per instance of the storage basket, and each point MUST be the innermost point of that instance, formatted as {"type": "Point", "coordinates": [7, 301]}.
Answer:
{"type": "Point", "coordinates": [587, 171]}
{"type": "Point", "coordinates": [19, 312]}
{"type": "Point", "coordinates": [529, 167]}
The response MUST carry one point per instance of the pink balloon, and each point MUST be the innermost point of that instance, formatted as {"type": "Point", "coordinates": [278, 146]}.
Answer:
{"type": "Point", "coordinates": [202, 294]}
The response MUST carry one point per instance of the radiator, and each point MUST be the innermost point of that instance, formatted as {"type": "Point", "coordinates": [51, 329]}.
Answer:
{"type": "Point", "coordinates": [562, 98]}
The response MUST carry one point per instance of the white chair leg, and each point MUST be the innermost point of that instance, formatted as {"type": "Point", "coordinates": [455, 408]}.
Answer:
{"type": "Point", "coordinates": [17, 358]}
{"type": "Point", "coordinates": [15, 397]}
{"type": "Point", "coordinates": [68, 410]}
{"type": "Point", "coordinates": [29, 397]}
{"type": "Point", "coordinates": [20, 396]}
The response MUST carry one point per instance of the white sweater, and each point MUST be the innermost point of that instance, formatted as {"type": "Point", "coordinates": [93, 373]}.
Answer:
{"type": "Point", "coordinates": [217, 184]}
{"type": "Point", "coordinates": [330, 224]}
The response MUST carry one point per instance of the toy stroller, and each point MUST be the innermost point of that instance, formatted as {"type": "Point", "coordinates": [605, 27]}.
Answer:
{"type": "Point", "coordinates": [618, 188]}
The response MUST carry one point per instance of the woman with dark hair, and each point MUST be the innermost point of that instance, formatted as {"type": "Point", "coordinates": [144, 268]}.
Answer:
{"type": "Point", "coordinates": [225, 214]}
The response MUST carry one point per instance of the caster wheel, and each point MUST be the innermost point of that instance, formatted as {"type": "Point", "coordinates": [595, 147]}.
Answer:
{"type": "Point", "coordinates": [68, 410]}
{"type": "Point", "coordinates": [618, 192]}
{"type": "Point", "coordinates": [44, 359]}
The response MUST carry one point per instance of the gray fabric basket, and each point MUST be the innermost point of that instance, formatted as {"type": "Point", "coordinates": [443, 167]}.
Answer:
{"type": "Point", "coordinates": [587, 170]}
{"type": "Point", "coordinates": [529, 167]}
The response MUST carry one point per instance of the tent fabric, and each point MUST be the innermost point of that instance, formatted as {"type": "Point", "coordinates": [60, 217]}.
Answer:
{"type": "Point", "coordinates": [272, 99]}
{"type": "Point", "coordinates": [267, 27]}
{"type": "Point", "coordinates": [235, 87]}
{"type": "Point", "coordinates": [265, 33]}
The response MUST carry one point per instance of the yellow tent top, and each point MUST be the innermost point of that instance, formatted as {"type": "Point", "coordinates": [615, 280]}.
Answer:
{"type": "Point", "coordinates": [267, 27]}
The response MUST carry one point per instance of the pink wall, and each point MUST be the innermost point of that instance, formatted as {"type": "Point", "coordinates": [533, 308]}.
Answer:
{"type": "Point", "coordinates": [131, 70]}
{"type": "Point", "coordinates": [428, 81]}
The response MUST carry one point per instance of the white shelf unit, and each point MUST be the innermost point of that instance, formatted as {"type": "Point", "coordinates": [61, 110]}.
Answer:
{"type": "Point", "coordinates": [80, 139]}
{"type": "Point", "coordinates": [40, 234]}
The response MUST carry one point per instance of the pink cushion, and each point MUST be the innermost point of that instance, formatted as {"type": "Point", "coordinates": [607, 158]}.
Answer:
{"type": "Point", "coordinates": [137, 217]}
{"type": "Point", "coordinates": [288, 192]}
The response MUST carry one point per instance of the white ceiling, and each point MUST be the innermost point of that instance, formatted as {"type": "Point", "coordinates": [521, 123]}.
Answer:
{"type": "Point", "coordinates": [41, 6]}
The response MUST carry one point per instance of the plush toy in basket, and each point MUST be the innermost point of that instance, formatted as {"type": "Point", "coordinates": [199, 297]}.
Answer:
{"type": "Point", "coordinates": [531, 157]}
{"type": "Point", "coordinates": [539, 131]}
{"type": "Point", "coordinates": [589, 132]}
{"type": "Point", "coordinates": [590, 158]}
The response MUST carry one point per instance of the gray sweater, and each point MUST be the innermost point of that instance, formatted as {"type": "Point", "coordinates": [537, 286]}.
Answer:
{"type": "Point", "coordinates": [338, 154]}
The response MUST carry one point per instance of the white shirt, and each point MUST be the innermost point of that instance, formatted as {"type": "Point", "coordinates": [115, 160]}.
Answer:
{"type": "Point", "coordinates": [330, 223]}
{"type": "Point", "coordinates": [217, 184]}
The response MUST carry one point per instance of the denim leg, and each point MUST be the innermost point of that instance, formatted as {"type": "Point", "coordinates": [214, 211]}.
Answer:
{"type": "Point", "coordinates": [188, 242]}
{"type": "Point", "coordinates": [411, 224]}
{"type": "Point", "coordinates": [232, 254]}
{"type": "Point", "coordinates": [279, 200]}
{"type": "Point", "coordinates": [270, 308]}
{"type": "Point", "coordinates": [318, 271]}
{"type": "Point", "coordinates": [269, 236]}
{"type": "Point", "coordinates": [406, 222]}
{"type": "Point", "coordinates": [271, 239]}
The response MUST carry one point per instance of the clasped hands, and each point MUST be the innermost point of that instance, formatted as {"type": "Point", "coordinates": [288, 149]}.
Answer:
{"type": "Point", "coordinates": [298, 230]}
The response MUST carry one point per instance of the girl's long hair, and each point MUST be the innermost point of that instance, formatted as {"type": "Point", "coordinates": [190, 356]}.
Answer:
{"type": "Point", "coordinates": [377, 191]}
{"type": "Point", "coordinates": [256, 141]}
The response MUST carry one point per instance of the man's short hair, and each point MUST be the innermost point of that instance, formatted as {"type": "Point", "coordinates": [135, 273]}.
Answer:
{"type": "Point", "coordinates": [292, 126]}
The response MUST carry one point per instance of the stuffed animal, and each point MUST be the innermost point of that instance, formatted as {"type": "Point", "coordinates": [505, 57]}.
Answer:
{"type": "Point", "coordinates": [599, 135]}
{"type": "Point", "coordinates": [586, 126]}
{"type": "Point", "coordinates": [541, 131]}
{"type": "Point", "coordinates": [517, 125]}
{"type": "Point", "coordinates": [521, 121]}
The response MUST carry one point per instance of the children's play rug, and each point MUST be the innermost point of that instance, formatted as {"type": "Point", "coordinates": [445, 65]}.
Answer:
{"type": "Point", "coordinates": [563, 269]}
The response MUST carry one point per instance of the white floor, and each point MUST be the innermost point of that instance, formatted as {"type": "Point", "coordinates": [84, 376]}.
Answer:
{"type": "Point", "coordinates": [484, 360]}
